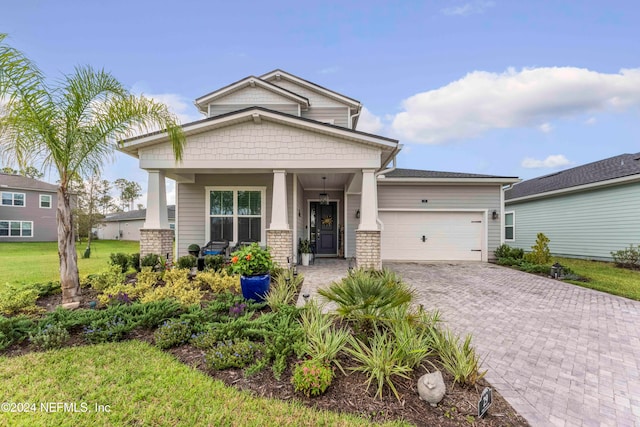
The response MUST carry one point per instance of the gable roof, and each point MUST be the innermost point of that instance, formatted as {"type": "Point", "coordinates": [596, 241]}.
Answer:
{"type": "Point", "coordinates": [137, 215]}
{"type": "Point", "coordinates": [278, 74]}
{"type": "Point", "coordinates": [19, 182]}
{"type": "Point", "coordinates": [602, 171]}
{"type": "Point", "coordinates": [418, 175]}
{"type": "Point", "coordinates": [131, 145]}
{"type": "Point", "coordinates": [203, 101]}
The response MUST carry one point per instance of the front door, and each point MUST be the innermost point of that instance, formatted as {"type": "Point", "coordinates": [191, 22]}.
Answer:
{"type": "Point", "coordinates": [324, 227]}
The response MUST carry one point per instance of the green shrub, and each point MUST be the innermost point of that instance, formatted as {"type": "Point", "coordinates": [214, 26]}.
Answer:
{"type": "Point", "coordinates": [121, 260]}
{"type": "Point", "coordinates": [506, 251]}
{"type": "Point", "coordinates": [14, 330]}
{"type": "Point", "coordinates": [128, 292]}
{"type": "Point", "coordinates": [323, 341]}
{"type": "Point", "coordinates": [107, 279]}
{"type": "Point", "coordinates": [311, 377]}
{"type": "Point", "coordinates": [540, 253]}
{"type": "Point", "coordinates": [172, 333]}
{"type": "Point", "coordinates": [627, 257]}
{"type": "Point", "coordinates": [380, 360]}
{"type": "Point", "coordinates": [108, 330]}
{"type": "Point", "coordinates": [366, 297]}
{"type": "Point", "coordinates": [218, 281]}
{"type": "Point", "coordinates": [231, 354]}
{"type": "Point", "coordinates": [534, 268]}
{"type": "Point", "coordinates": [460, 361]}
{"type": "Point", "coordinates": [177, 286]}
{"type": "Point", "coordinates": [413, 340]}
{"type": "Point", "coordinates": [50, 336]}
{"type": "Point", "coordinates": [213, 262]}
{"type": "Point", "coordinates": [18, 300]}
{"type": "Point", "coordinates": [134, 261]}
{"type": "Point", "coordinates": [510, 262]}
{"type": "Point", "coordinates": [151, 260]}
{"type": "Point", "coordinates": [187, 261]}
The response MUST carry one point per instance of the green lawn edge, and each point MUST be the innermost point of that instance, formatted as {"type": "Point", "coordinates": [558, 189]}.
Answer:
{"type": "Point", "coordinates": [605, 277]}
{"type": "Point", "coordinates": [141, 385]}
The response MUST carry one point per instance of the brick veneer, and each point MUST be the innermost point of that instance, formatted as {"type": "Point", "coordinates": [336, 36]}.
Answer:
{"type": "Point", "coordinates": [368, 249]}
{"type": "Point", "coordinates": [156, 241]}
{"type": "Point", "coordinates": [280, 243]}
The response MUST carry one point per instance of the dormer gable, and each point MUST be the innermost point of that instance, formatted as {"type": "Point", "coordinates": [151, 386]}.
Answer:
{"type": "Point", "coordinates": [255, 92]}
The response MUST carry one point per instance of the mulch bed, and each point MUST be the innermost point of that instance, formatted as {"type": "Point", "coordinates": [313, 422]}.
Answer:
{"type": "Point", "coordinates": [346, 394]}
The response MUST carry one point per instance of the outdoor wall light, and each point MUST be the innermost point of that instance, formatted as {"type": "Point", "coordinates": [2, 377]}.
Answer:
{"type": "Point", "coordinates": [358, 213]}
{"type": "Point", "coordinates": [494, 215]}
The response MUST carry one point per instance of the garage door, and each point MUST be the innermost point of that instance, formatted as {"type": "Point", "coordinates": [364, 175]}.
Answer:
{"type": "Point", "coordinates": [448, 236]}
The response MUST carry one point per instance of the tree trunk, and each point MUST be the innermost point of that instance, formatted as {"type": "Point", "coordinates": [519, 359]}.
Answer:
{"type": "Point", "coordinates": [69, 277]}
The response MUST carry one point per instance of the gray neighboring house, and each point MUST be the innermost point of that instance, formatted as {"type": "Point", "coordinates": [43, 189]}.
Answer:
{"type": "Point", "coordinates": [27, 209]}
{"type": "Point", "coordinates": [587, 211]}
{"type": "Point", "coordinates": [127, 225]}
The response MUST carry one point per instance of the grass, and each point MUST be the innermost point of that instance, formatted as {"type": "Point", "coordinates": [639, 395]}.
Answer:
{"type": "Point", "coordinates": [605, 277]}
{"type": "Point", "coordinates": [141, 385]}
{"type": "Point", "coordinates": [37, 262]}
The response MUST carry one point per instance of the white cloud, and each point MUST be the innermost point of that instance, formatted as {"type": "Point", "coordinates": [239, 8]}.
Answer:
{"type": "Point", "coordinates": [590, 121]}
{"type": "Point", "coordinates": [369, 122]}
{"type": "Point", "coordinates": [545, 127]}
{"type": "Point", "coordinates": [178, 105]}
{"type": "Point", "coordinates": [468, 8]}
{"type": "Point", "coordinates": [552, 161]}
{"type": "Point", "coordinates": [481, 101]}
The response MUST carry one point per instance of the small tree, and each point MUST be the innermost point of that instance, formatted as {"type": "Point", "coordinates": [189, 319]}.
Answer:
{"type": "Point", "coordinates": [540, 253]}
{"type": "Point", "coordinates": [72, 126]}
{"type": "Point", "coordinates": [129, 192]}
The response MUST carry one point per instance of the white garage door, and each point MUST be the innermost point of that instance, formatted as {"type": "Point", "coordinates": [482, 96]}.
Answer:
{"type": "Point", "coordinates": [448, 236]}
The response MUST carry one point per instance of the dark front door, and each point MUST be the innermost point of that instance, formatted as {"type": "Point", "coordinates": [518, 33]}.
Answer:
{"type": "Point", "coordinates": [324, 228]}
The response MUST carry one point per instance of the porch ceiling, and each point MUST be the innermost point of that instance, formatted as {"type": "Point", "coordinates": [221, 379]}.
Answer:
{"type": "Point", "coordinates": [313, 181]}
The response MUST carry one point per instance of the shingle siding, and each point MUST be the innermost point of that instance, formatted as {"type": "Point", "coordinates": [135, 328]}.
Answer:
{"type": "Point", "coordinates": [334, 115]}
{"type": "Point", "coordinates": [588, 224]}
{"type": "Point", "coordinates": [218, 109]}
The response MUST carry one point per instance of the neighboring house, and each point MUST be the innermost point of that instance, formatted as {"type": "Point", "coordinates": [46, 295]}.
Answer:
{"type": "Point", "coordinates": [27, 209]}
{"type": "Point", "coordinates": [586, 212]}
{"type": "Point", "coordinates": [279, 159]}
{"type": "Point", "coordinates": [127, 225]}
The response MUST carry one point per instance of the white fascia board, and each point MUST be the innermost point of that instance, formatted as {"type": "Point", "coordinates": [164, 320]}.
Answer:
{"type": "Point", "coordinates": [203, 102]}
{"type": "Point", "coordinates": [314, 87]}
{"type": "Point", "coordinates": [577, 188]}
{"type": "Point", "coordinates": [382, 180]}
{"type": "Point", "coordinates": [247, 115]}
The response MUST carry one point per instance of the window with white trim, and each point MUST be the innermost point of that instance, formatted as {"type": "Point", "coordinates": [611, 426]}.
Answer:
{"type": "Point", "coordinates": [13, 199]}
{"type": "Point", "coordinates": [236, 214]}
{"type": "Point", "coordinates": [509, 225]}
{"type": "Point", "coordinates": [16, 229]}
{"type": "Point", "coordinates": [45, 201]}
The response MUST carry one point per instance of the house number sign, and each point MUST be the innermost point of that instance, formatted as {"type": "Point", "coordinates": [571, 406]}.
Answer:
{"type": "Point", "coordinates": [486, 399]}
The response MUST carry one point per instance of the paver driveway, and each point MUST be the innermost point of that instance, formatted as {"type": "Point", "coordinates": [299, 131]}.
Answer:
{"type": "Point", "coordinates": [560, 354]}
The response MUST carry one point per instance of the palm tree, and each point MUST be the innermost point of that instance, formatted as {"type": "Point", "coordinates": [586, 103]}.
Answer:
{"type": "Point", "coordinates": [73, 127]}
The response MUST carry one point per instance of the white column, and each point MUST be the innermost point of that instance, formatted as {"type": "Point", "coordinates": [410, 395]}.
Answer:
{"type": "Point", "coordinates": [157, 217]}
{"type": "Point", "coordinates": [279, 219]}
{"type": "Point", "coordinates": [368, 202]}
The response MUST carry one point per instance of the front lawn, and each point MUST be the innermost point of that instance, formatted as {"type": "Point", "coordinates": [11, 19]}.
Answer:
{"type": "Point", "coordinates": [605, 277]}
{"type": "Point", "coordinates": [138, 384]}
{"type": "Point", "coordinates": [37, 262]}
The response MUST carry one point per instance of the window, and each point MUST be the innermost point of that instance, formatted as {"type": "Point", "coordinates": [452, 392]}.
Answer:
{"type": "Point", "coordinates": [16, 228]}
{"type": "Point", "coordinates": [12, 199]}
{"type": "Point", "coordinates": [45, 201]}
{"type": "Point", "coordinates": [509, 226]}
{"type": "Point", "coordinates": [235, 215]}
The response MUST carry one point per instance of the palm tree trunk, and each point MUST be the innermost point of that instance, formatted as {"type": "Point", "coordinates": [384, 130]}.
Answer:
{"type": "Point", "coordinates": [69, 277]}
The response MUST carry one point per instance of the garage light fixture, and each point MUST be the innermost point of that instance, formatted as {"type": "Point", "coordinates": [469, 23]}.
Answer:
{"type": "Point", "coordinates": [494, 215]}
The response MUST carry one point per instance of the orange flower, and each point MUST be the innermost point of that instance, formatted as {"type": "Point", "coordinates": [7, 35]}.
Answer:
{"type": "Point", "coordinates": [234, 259]}
{"type": "Point", "coordinates": [248, 257]}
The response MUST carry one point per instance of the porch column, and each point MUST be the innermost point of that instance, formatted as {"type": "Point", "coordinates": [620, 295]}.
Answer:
{"type": "Point", "coordinates": [155, 235]}
{"type": "Point", "coordinates": [279, 236]}
{"type": "Point", "coordinates": [368, 233]}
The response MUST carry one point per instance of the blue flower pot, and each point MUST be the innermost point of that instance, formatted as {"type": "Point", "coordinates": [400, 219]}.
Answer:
{"type": "Point", "coordinates": [255, 287]}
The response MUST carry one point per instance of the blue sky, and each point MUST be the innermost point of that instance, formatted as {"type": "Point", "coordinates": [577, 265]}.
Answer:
{"type": "Point", "coordinates": [517, 88]}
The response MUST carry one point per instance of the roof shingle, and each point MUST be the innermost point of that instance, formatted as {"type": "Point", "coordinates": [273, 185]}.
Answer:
{"type": "Point", "coordinates": [416, 173]}
{"type": "Point", "coordinates": [602, 170]}
{"type": "Point", "coordinates": [25, 183]}
{"type": "Point", "coordinates": [137, 214]}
